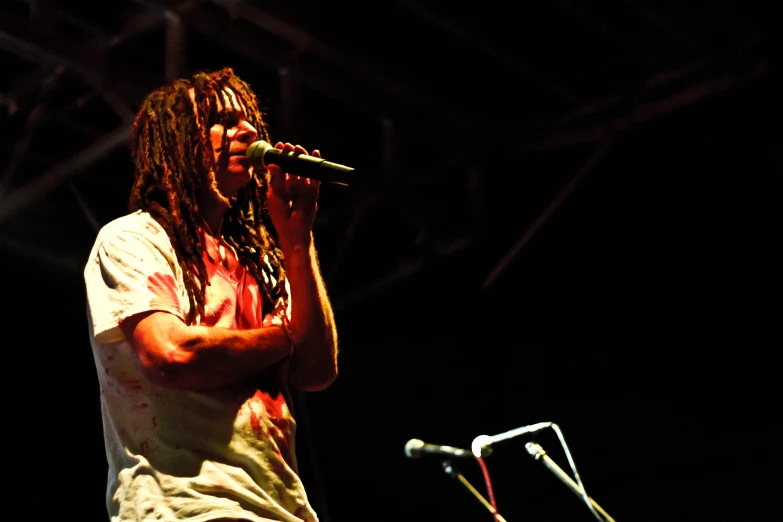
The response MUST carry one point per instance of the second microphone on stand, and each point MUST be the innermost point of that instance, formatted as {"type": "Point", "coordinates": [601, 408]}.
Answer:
{"type": "Point", "coordinates": [415, 448]}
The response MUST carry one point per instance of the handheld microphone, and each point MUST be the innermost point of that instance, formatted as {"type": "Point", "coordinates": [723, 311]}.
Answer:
{"type": "Point", "coordinates": [415, 448]}
{"type": "Point", "coordinates": [301, 164]}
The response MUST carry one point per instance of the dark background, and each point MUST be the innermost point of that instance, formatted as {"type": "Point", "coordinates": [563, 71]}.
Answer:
{"type": "Point", "coordinates": [571, 217]}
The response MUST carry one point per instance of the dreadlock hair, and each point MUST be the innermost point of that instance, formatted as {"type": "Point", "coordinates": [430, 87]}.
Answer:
{"type": "Point", "coordinates": [170, 146]}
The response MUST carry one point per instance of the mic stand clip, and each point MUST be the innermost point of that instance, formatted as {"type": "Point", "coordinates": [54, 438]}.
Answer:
{"type": "Point", "coordinates": [454, 472]}
{"type": "Point", "coordinates": [538, 453]}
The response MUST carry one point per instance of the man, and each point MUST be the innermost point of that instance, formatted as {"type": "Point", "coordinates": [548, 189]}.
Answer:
{"type": "Point", "coordinates": [205, 304]}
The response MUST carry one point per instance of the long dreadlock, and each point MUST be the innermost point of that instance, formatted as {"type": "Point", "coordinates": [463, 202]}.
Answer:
{"type": "Point", "coordinates": [169, 147]}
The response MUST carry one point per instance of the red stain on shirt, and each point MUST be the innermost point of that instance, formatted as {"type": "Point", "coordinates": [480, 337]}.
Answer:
{"type": "Point", "coordinates": [153, 227]}
{"type": "Point", "coordinates": [280, 427]}
{"type": "Point", "coordinates": [277, 430]}
{"type": "Point", "coordinates": [262, 433]}
{"type": "Point", "coordinates": [255, 423]}
{"type": "Point", "coordinates": [132, 385]}
{"type": "Point", "coordinates": [163, 288]}
{"type": "Point", "coordinates": [273, 405]}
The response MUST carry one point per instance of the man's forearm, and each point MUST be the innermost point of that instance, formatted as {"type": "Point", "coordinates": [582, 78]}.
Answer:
{"type": "Point", "coordinates": [314, 362]}
{"type": "Point", "coordinates": [175, 355]}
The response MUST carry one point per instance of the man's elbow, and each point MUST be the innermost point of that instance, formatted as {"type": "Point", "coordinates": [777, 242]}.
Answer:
{"type": "Point", "coordinates": [314, 379]}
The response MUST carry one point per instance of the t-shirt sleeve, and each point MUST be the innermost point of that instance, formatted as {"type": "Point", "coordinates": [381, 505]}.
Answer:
{"type": "Point", "coordinates": [131, 272]}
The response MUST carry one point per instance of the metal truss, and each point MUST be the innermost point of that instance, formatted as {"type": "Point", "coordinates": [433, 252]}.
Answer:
{"type": "Point", "coordinates": [32, 32]}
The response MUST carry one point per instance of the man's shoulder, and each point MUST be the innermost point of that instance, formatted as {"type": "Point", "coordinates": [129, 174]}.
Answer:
{"type": "Point", "coordinates": [138, 222]}
{"type": "Point", "coordinates": [132, 227]}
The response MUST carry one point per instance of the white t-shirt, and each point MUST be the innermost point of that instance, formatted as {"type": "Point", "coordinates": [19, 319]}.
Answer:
{"type": "Point", "coordinates": [186, 455]}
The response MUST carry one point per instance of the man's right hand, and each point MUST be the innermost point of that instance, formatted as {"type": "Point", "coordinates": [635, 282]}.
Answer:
{"type": "Point", "coordinates": [292, 202]}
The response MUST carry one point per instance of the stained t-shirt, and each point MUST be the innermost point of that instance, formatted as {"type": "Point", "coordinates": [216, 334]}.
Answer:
{"type": "Point", "coordinates": [177, 454]}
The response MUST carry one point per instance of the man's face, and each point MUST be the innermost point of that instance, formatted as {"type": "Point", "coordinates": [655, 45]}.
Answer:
{"type": "Point", "coordinates": [232, 168]}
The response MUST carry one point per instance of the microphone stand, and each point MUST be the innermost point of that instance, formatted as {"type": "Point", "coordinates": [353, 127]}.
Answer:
{"type": "Point", "coordinates": [538, 453]}
{"type": "Point", "coordinates": [454, 472]}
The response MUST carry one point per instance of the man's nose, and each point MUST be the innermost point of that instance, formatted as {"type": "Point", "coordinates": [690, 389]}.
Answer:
{"type": "Point", "coordinates": [246, 133]}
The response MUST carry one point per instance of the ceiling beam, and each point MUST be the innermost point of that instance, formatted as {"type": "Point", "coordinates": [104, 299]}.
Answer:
{"type": "Point", "coordinates": [499, 57]}
{"type": "Point", "coordinates": [246, 42]}
{"type": "Point", "coordinates": [663, 23]}
{"type": "Point", "coordinates": [305, 42]}
{"type": "Point", "coordinates": [58, 174]}
{"type": "Point", "coordinates": [25, 39]}
{"type": "Point", "coordinates": [34, 118]}
{"type": "Point", "coordinates": [660, 81]}
{"type": "Point", "coordinates": [175, 46]}
{"type": "Point", "coordinates": [506, 261]}
{"type": "Point", "coordinates": [645, 112]}
{"type": "Point", "coordinates": [26, 84]}
{"type": "Point", "coordinates": [604, 135]}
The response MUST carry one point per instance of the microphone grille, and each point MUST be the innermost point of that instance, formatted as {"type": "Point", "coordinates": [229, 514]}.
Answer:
{"type": "Point", "coordinates": [412, 448]}
{"type": "Point", "coordinates": [480, 446]}
{"type": "Point", "coordinates": [256, 150]}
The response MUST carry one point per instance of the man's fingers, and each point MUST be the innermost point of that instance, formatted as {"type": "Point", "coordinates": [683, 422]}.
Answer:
{"type": "Point", "coordinates": [276, 178]}
{"type": "Point", "coordinates": [290, 184]}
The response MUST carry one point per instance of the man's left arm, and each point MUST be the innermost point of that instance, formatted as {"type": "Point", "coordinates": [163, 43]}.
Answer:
{"type": "Point", "coordinates": [292, 202]}
{"type": "Point", "coordinates": [314, 359]}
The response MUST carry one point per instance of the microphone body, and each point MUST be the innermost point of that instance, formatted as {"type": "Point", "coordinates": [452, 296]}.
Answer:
{"type": "Point", "coordinates": [301, 164]}
{"type": "Point", "coordinates": [415, 448]}
{"type": "Point", "coordinates": [482, 442]}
